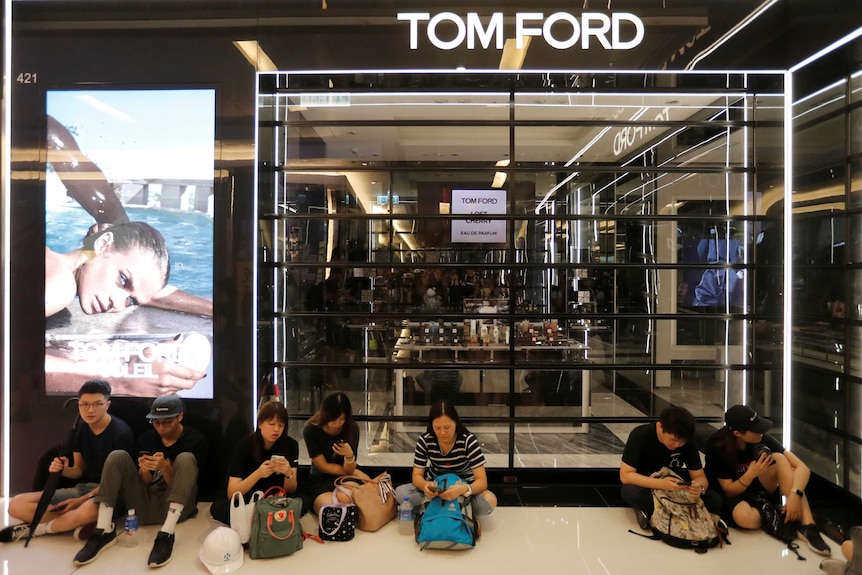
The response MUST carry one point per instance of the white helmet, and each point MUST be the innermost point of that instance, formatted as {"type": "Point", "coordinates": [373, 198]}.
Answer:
{"type": "Point", "coordinates": [222, 551]}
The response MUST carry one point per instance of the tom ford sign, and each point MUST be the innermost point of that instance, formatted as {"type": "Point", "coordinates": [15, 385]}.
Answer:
{"type": "Point", "coordinates": [561, 30]}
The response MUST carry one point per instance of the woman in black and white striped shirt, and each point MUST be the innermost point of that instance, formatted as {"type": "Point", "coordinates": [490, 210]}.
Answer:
{"type": "Point", "coordinates": [448, 447]}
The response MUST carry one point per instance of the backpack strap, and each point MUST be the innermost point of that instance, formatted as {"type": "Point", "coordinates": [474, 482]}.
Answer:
{"type": "Point", "coordinates": [274, 491]}
{"type": "Point", "coordinates": [313, 537]}
{"type": "Point", "coordinates": [653, 537]}
{"type": "Point", "coordinates": [292, 525]}
{"type": "Point", "coordinates": [795, 548]}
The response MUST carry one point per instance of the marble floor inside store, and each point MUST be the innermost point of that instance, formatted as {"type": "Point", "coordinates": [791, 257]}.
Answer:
{"type": "Point", "coordinates": [587, 540]}
{"type": "Point", "coordinates": [596, 445]}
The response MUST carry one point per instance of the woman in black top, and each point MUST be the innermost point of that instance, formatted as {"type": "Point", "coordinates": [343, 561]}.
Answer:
{"type": "Point", "coordinates": [753, 471]}
{"type": "Point", "coordinates": [332, 438]}
{"type": "Point", "coordinates": [266, 458]}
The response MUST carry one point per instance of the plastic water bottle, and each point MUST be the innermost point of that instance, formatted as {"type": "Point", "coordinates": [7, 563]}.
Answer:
{"type": "Point", "coordinates": [405, 517]}
{"type": "Point", "coordinates": [130, 534]}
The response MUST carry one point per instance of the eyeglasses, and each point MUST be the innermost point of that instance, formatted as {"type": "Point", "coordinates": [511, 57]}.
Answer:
{"type": "Point", "coordinates": [161, 422]}
{"type": "Point", "coordinates": [85, 405]}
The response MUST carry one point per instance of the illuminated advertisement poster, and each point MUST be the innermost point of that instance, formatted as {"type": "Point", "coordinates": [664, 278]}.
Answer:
{"type": "Point", "coordinates": [129, 235]}
{"type": "Point", "coordinates": [478, 229]}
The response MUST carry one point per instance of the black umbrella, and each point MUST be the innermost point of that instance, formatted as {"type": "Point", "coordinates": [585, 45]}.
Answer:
{"type": "Point", "coordinates": [53, 478]}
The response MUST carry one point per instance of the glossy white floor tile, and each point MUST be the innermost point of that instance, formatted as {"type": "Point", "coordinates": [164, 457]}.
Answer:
{"type": "Point", "coordinates": [557, 540]}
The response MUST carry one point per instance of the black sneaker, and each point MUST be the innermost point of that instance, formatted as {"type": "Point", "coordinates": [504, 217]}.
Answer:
{"type": "Point", "coordinates": [811, 535]}
{"type": "Point", "coordinates": [98, 542]}
{"type": "Point", "coordinates": [162, 549]}
{"type": "Point", "coordinates": [643, 520]}
{"type": "Point", "coordinates": [14, 533]}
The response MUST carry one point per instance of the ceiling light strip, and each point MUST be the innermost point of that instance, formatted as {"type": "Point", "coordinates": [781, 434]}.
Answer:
{"type": "Point", "coordinates": [833, 46]}
{"type": "Point", "coordinates": [255, 240]}
{"type": "Point", "coordinates": [494, 71]}
{"type": "Point", "coordinates": [823, 90]}
{"type": "Point", "coordinates": [731, 33]}
{"type": "Point", "coordinates": [787, 359]}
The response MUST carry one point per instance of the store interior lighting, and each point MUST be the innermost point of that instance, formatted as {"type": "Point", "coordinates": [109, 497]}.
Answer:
{"type": "Point", "coordinates": [500, 177]}
{"type": "Point", "coordinates": [255, 55]}
{"type": "Point", "coordinates": [513, 57]}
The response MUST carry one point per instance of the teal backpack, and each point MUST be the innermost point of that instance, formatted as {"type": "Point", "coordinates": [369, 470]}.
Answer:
{"type": "Point", "coordinates": [446, 524]}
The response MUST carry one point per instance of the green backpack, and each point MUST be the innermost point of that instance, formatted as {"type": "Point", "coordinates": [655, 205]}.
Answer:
{"type": "Point", "coordinates": [276, 529]}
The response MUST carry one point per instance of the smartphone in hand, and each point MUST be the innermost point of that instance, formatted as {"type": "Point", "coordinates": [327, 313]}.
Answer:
{"type": "Point", "coordinates": [277, 459]}
{"type": "Point", "coordinates": [143, 453]}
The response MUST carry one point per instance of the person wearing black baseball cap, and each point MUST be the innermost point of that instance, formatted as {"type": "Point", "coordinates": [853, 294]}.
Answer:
{"type": "Point", "coordinates": [753, 471]}
{"type": "Point", "coordinates": [161, 485]}
{"type": "Point", "coordinates": [742, 418]}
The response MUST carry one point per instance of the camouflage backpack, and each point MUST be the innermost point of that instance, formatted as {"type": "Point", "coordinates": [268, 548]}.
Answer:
{"type": "Point", "coordinates": [680, 519]}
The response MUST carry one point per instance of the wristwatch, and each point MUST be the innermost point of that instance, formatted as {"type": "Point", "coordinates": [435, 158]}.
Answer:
{"type": "Point", "coordinates": [799, 492]}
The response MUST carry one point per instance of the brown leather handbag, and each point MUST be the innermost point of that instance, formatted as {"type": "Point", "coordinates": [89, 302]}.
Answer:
{"type": "Point", "coordinates": [374, 499]}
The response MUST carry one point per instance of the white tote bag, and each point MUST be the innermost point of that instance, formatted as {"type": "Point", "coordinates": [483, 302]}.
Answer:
{"type": "Point", "coordinates": [241, 514]}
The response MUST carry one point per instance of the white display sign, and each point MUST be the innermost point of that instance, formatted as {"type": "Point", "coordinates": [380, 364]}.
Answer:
{"type": "Point", "coordinates": [478, 230]}
{"type": "Point", "coordinates": [560, 30]}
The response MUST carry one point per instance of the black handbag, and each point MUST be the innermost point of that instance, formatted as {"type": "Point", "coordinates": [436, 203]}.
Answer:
{"type": "Point", "coordinates": [772, 520]}
{"type": "Point", "coordinates": [337, 521]}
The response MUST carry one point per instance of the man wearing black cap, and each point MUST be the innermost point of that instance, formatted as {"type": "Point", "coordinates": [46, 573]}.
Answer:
{"type": "Point", "coordinates": [754, 470]}
{"type": "Point", "coordinates": [162, 486]}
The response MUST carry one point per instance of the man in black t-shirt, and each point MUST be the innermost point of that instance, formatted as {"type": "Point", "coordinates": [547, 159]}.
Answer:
{"type": "Point", "coordinates": [665, 443]}
{"type": "Point", "coordinates": [96, 435]}
{"type": "Point", "coordinates": [161, 486]}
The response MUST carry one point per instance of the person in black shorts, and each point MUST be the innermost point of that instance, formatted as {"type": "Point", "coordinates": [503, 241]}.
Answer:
{"type": "Point", "coordinates": [96, 435]}
{"type": "Point", "coordinates": [753, 471]}
{"type": "Point", "coordinates": [332, 438]}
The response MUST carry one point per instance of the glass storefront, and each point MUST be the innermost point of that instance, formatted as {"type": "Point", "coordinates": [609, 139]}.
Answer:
{"type": "Point", "coordinates": [826, 283]}
{"type": "Point", "coordinates": [630, 251]}
{"type": "Point", "coordinates": [558, 261]}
